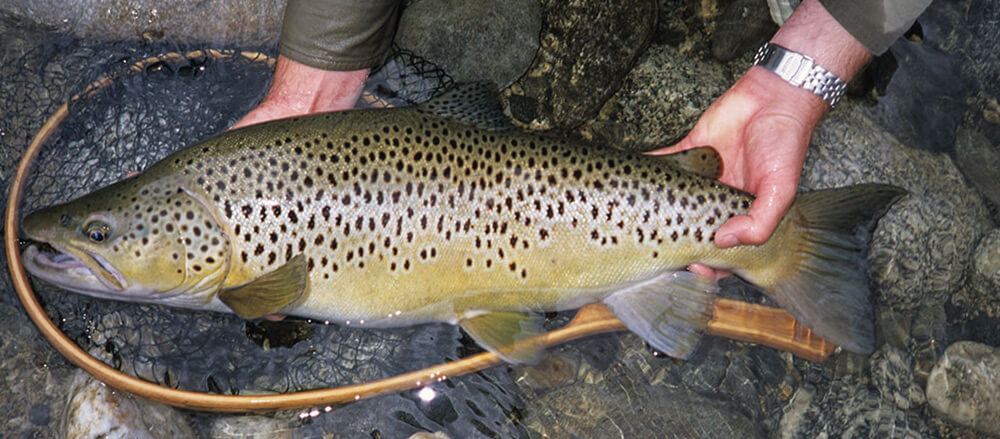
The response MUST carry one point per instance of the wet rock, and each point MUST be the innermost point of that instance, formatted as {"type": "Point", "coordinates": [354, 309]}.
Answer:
{"type": "Point", "coordinates": [94, 410]}
{"type": "Point", "coordinates": [892, 375]}
{"type": "Point", "coordinates": [474, 40]}
{"type": "Point", "coordinates": [570, 88]}
{"type": "Point", "coordinates": [252, 426]}
{"type": "Point", "coordinates": [186, 21]}
{"type": "Point", "coordinates": [982, 295]}
{"type": "Point", "coordinates": [920, 249]}
{"type": "Point", "coordinates": [743, 26]}
{"type": "Point", "coordinates": [979, 160]}
{"type": "Point", "coordinates": [660, 100]}
{"type": "Point", "coordinates": [965, 386]}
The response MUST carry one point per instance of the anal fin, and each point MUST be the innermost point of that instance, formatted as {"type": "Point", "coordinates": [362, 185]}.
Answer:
{"type": "Point", "coordinates": [669, 311]}
{"type": "Point", "coordinates": [513, 336]}
{"type": "Point", "coordinates": [269, 293]}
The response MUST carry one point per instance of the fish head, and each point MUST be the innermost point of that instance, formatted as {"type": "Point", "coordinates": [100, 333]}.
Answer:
{"type": "Point", "coordinates": [137, 244]}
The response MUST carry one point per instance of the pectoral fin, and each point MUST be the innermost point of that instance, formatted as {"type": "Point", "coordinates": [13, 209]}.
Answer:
{"type": "Point", "coordinates": [513, 336]}
{"type": "Point", "coordinates": [669, 312]}
{"type": "Point", "coordinates": [269, 293]}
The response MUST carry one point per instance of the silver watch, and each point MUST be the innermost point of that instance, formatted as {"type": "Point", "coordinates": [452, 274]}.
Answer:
{"type": "Point", "coordinates": [801, 71]}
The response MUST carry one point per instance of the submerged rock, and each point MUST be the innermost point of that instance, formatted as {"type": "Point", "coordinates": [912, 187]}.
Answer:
{"type": "Point", "coordinates": [587, 47]}
{"type": "Point", "coordinates": [848, 409]}
{"type": "Point", "coordinates": [474, 40]}
{"type": "Point", "coordinates": [964, 387]}
{"type": "Point", "coordinates": [892, 375]}
{"type": "Point", "coordinates": [94, 410]}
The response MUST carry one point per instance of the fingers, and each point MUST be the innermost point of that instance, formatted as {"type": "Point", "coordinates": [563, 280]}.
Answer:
{"type": "Point", "coordinates": [759, 223]}
{"type": "Point", "coordinates": [708, 272]}
{"type": "Point", "coordinates": [684, 145]}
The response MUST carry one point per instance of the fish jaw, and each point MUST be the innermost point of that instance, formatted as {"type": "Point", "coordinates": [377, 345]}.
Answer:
{"type": "Point", "coordinates": [75, 270]}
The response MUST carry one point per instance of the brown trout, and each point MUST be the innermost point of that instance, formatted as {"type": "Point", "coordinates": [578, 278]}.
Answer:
{"type": "Point", "coordinates": [396, 217]}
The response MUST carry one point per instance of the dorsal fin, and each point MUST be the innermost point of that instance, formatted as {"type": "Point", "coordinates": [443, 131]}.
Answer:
{"type": "Point", "coordinates": [474, 103]}
{"type": "Point", "coordinates": [704, 161]}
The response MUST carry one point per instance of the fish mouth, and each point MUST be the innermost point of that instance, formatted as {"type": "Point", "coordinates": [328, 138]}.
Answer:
{"type": "Point", "coordinates": [75, 269]}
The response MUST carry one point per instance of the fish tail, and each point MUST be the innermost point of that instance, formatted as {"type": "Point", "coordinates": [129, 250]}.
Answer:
{"type": "Point", "coordinates": [822, 278]}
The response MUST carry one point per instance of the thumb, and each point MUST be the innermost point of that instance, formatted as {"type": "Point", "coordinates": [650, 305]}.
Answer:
{"type": "Point", "coordinates": [685, 144]}
{"type": "Point", "coordinates": [759, 223]}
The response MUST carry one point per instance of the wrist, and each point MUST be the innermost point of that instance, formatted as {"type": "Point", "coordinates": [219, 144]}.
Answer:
{"type": "Point", "coordinates": [303, 89]}
{"type": "Point", "coordinates": [773, 95]}
{"type": "Point", "coordinates": [813, 32]}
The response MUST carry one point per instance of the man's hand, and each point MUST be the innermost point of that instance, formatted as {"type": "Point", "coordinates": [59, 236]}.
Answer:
{"type": "Point", "coordinates": [761, 127]}
{"type": "Point", "coordinates": [299, 89]}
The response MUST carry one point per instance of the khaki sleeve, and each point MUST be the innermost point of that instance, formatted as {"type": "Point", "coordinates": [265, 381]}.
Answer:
{"type": "Point", "coordinates": [338, 34]}
{"type": "Point", "coordinates": [876, 23]}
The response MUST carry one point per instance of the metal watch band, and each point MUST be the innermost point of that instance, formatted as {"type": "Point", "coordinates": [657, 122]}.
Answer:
{"type": "Point", "coordinates": [800, 71]}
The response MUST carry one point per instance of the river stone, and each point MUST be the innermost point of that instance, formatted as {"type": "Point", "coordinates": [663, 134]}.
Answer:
{"type": "Point", "coordinates": [474, 40]}
{"type": "Point", "coordinates": [94, 410]}
{"type": "Point", "coordinates": [226, 22]}
{"type": "Point", "coordinates": [964, 387]}
{"type": "Point", "coordinates": [920, 250]}
{"type": "Point", "coordinates": [587, 47]}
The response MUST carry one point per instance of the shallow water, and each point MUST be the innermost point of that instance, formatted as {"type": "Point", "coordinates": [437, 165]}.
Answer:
{"type": "Point", "coordinates": [600, 387]}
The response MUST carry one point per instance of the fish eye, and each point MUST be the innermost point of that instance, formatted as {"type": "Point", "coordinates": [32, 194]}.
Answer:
{"type": "Point", "coordinates": [97, 231]}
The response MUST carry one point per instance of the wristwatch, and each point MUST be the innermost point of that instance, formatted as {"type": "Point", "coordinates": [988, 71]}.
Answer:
{"type": "Point", "coordinates": [801, 71]}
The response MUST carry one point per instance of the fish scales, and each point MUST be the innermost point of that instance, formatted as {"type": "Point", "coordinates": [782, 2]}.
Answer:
{"type": "Point", "coordinates": [403, 216]}
{"type": "Point", "coordinates": [437, 211]}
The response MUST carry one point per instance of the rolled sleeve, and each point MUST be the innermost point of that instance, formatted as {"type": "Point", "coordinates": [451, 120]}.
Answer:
{"type": "Point", "coordinates": [876, 23]}
{"type": "Point", "coordinates": [338, 34]}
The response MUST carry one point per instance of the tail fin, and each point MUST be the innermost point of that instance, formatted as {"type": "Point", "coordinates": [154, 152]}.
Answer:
{"type": "Point", "coordinates": [826, 285]}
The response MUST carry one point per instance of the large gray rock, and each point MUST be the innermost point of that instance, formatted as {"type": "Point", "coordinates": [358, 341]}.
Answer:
{"type": "Point", "coordinates": [660, 99]}
{"type": "Point", "coordinates": [743, 26]}
{"type": "Point", "coordinates": [474, 40]}
{"type": "Point", "coordinates": [964, 387]}
{"type": "Point", "coordinates": [587, 47]}
{"type": "Point", "coordinates": [920, 250]}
